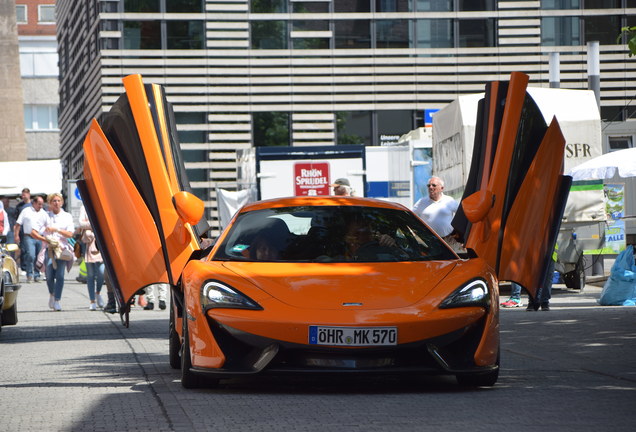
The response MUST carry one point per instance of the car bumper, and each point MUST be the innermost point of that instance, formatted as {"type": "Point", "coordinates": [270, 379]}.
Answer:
{"type": "Point", "coordinates": [247, 354]}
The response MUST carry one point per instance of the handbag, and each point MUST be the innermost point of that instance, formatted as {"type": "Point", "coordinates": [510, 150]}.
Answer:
{"type": "Point", "coordinates": [67, 255]}
{"type": "Point", "coordinates": [77, 250]}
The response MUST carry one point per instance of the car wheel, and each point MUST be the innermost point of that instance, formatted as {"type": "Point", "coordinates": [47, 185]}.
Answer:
{"type": "Point", "coordinates": [190, 380]}
{"type": "Point", "coordinates": [487, 379]}
{"type": "Point", "coordinates": [174, 342]}
{"type": "Point", "coordinates": [10, 316]}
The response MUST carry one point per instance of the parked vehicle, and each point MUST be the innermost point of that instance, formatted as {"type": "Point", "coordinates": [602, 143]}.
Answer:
{"type": "Point", "coordinates": [9, 285]}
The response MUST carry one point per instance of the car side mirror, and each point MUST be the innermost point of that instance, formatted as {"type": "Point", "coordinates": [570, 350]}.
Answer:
{"type": "Point", "coordinates": [477, 205]}
{"type": "Point", "coordinates": [189, 207]}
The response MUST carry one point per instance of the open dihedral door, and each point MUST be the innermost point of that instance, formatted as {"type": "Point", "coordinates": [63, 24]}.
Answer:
{"type": "Point", "coordinates": [516, 191]}
{"type": "Point", "coordinates": [135, 192]}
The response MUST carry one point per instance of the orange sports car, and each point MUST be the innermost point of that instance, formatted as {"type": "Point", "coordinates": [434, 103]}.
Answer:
{"type": "Point", "coordinates": [321, 284]}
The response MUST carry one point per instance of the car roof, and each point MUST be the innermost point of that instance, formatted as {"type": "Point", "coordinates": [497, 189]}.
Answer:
{"type": "Point", "coordinates": [321, 201]}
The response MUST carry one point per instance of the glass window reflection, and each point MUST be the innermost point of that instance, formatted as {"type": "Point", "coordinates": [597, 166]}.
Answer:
{"type": "Point", "coordinates": [434, 33]}
{"type": "Point", "coordinates": [184, 34]}
{"type": "Point", "coordinates": [142, 35]}
{"type": "Point", "coordinates": [269, 34]}
{"type": "Point", "coordinates": [393, 34]}
{"type": "Point", "coordinates": [352, 34]}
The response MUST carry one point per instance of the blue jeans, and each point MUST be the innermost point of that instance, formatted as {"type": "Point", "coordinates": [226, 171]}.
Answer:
{"type": "Point", "coordinates": [55, 277]}
{"type": "Point", "coordinates": [31, 250]}
{"type": "Point", "coordinates": [94, 278]}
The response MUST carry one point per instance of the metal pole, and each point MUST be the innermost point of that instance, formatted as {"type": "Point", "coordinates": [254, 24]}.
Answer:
{"type": "Point", "coordinates": [594, 70]}
{"type": "Point", "coordinates": [554, 70]}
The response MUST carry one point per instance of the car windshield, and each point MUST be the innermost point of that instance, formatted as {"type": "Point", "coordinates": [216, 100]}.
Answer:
{"type": "Point", "coordinates": [331, 234]}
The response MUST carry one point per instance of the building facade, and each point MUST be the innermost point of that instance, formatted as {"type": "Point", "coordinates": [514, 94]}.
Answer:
{"type": "Point", "coordinates": [39, 72]}
{"type": "Point", "coordinates": [300, 73]}
{"type": "Point", "coordinates": [12, 139]}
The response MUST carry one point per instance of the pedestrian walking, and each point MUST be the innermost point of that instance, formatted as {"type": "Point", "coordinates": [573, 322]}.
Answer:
{"type": "Point", "coordinates": [30, 222]}
{"type": "Point", "coordinates": [94, 263]}
{"type": "Point", "coordinates": [57, 230]}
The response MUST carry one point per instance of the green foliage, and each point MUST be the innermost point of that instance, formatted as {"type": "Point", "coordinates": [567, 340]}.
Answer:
{"type": "Point", "coordinates": [630, 33]}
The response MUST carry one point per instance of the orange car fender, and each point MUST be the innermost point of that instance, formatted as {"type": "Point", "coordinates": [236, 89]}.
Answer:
{"type": "Point", "coordinates": [488, 348]}
{"type": "Point", "coordinates": [204, 351]}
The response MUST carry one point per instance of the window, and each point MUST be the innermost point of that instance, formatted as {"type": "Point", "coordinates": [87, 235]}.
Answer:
{"type": "Point", "coordinates": [38, 64]}
{"type": "Point", "coordinates": [393, 5]}
{"type": "Point", "coordinates": [271, 129]}
{"type": "Point", "coordinates": [268, 6]}
{"type": "Point", "coordinates": [434, 5]}
{"type": "Point", "coordinates": [354, 127]}
{"type": "Point", "coordinates": [352, 6]}
{"type": "Point", "coordinates": [434, 33]}
{"type": "Point", "coordinates": [40, 117]}
{"type": "Point", "coordinates": [190, 117]}
{"type": "Point", "coordinates": [393, 124]}
{"type": "Point", "coordinates": [184, 6]}
{"type": "Point", "coordinates": [310, 7]}
{"type": "Point", "coordinates": [393, 33]}
{"type": "Point", "coordinates": [192, 137]}
{"type": "Point", "coordinates": [602, 4]}
{"type": "Point", "coordinates": [560, 31]}
{"type": "Point", "coordinates": [141, 6]}
{"type": "Point", "coordinates": [560, 4]}
{"type": "Point", "coordinates": [197, 175]}
{"type": "Point", "coordinates": [603, 29]}
{"type": "Point", "coordinates": [310, 43]}
{"type": "Point", "coordinates": [21, 14]}
{"type": "Point", "coordinates": [269, 34]}
{"type": "Point", "coordinates": [46, 14]}
{"type": "Point", "coordinates": [142, 35]}
{"type": "Point", "coordinates": [619, 143]}
{"type": "Point", "coordinates": [310, 25]}
{"type": "Point", "coordinates": [184, 34]}
{"type": "Point", "coordinates": [476, 33]}
{"type": "Point", "coordinates": [352, 34]}
{"type": "Point", "coordinates": [194, 155]}
{"type": "Point", "coordinates": [476, 5]}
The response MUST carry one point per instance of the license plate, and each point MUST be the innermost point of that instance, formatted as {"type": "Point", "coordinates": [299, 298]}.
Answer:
{"type": "Point", "coordinates": [352, 336]}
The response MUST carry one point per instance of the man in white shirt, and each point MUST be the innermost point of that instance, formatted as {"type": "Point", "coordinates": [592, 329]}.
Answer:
{"type": "Point", "coordinates": [437, 209]}
{"type": "Point", "coordinates": [31, 218]}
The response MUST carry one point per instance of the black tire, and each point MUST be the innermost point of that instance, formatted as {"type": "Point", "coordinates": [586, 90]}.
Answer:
{"type": "Point", "coordinates": [487, 379]}
{"type": "Point", "coordinates": [190, 380]}
{"type": "Point", "coordinates": [10, 316]}
{"type": "Point", "coordinates": [174, 342]}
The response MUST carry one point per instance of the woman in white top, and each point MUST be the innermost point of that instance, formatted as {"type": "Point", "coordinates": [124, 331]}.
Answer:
{"type": "Point", "coordinates": [58, 229]}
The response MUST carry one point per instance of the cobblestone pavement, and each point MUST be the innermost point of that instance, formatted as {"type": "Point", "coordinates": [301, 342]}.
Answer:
{"type": "Point", "coordinates": [573, 368]}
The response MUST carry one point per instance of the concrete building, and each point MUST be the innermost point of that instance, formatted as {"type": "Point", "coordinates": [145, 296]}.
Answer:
{"type": "Point", "coordinates": [295, 73]}
{"type": "Point", "coordinates": [12, 139]}
{"type": "Point", "coordinates": [39, 71]}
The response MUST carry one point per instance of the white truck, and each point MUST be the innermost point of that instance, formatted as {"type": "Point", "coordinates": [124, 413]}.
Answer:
{"type": "Point", "coordinates": [583, 224]}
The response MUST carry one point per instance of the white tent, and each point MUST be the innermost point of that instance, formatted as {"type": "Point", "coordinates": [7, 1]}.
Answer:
{"type": "Point", "coordinates": [40, 176]}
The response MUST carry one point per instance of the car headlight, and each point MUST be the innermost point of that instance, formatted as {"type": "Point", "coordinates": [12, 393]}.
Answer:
{"type": "Point", "coordinates": [215, 294]}
{"type": "Point", "coordinates": [473, 293]}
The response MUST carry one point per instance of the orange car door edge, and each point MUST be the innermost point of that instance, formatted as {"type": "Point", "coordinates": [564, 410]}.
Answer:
{"type": "Point", "coordinates": [126, 226]}
{"type": "Point", "coordinates": [498, 181]}
{"type": "Point", "coordinates": [176, 238]}
{"type": "Point", "coordinates": [527, 242]}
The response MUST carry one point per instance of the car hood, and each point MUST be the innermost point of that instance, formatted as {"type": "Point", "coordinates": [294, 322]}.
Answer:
{"type": "Point", "coordinates": [330, 286]}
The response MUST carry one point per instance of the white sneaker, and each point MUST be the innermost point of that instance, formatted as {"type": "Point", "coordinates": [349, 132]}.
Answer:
{"type": "Point", "coordinates": [100, 301]}
{"type": "Point", "coordinates": [51, 301]}
{"type": "Point", "coordinates": [92, 307]}
{"type": "Point", "coordinates": [56, 306]}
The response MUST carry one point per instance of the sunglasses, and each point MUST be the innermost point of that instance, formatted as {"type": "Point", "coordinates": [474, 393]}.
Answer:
{"type": "Point", "coordinates": [432, 185]}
